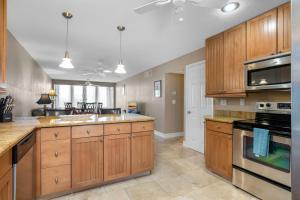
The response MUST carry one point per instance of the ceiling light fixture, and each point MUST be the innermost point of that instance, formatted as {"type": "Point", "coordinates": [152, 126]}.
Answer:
{"type": "Point", "coordinates": [230, 7]}
{"type": "Point", "coordinates": [120, 67]}
{"type": "Point", "coordinates": [107, 71]}
{"type": "Point", "coordinates": [66, 61]}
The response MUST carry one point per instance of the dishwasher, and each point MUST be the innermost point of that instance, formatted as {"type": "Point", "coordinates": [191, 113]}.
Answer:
{"type": "Point", "coordinates": [23, 168]}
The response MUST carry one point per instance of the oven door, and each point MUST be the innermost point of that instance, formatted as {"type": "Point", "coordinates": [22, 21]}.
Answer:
{"type": "Point", "coordinates": [276, 166]}
{"type": "Point", "coordinates": [269, 74]}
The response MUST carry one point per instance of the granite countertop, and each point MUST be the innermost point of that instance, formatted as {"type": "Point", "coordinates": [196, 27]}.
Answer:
{"type": "Point", "coordinates": [13, 132]}
{"type": "Point", "coordinates": [225, 119]}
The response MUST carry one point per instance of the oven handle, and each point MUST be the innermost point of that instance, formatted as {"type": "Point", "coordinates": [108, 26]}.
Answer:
{"type": "Point", "coordinates": [275, 138]}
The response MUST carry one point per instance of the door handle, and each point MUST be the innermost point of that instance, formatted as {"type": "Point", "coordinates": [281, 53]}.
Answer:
{"type": "Point", "coordinates": [189, 112]}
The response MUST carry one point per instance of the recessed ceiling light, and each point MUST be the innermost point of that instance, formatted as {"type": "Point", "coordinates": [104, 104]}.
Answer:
{"type": "Point", "coordinates": [231, 6]}
{"type": "Point", "coordinates": [180, 19]}
{"type": "Point", "coordinates": [107, 71]}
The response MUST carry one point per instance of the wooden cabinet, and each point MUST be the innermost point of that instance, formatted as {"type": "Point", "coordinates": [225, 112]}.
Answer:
{"type": "Point", "coordinates": [214, 54]}
{"type": "Point", "coordinates": [234, 58]}
{"type": "Point", "coordinates": [218, 150]}
{"type": "Point", "coordinates": [3, 19]}
{"type": "Point", "coordinates": [120, 128]}
{"type": "Point", "coordinates": [142, 152]}
{"type": "Point", "coordinates": [87, 161]}
{"type": "Point", "coordinates": [6, 186]}
{"type": "Point", "coordinates": [6, 176]}
{"type": "Point", "coordinates": [116, 156]}
{"type": "Point", "coordinates": [284, 28]}
{"type": "Point", "coordinates": [262, 35]}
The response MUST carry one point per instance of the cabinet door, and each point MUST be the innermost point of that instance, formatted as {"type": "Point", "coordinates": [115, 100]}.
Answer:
{"type": "Point", "coordinates": [284, 28]}
{"type": "Point", "coordinates": [218, 153]}
{"type": "Point", "coordinates": [2, 40]}
{"type": "Point", "coordinates": [87, 161]}
{"type": "Point", "coordinates": [262, 35]}
{"type": "Point", "coordinates": [234, 58]}
{"type": "Point", "coordinates": [142, 152]}
{"type": "Point", "coordinates": [6, 186]}
{"type": "Point", "coordinates": [214, 53]}
{"type": "Point", "coordinates": [116, 156]}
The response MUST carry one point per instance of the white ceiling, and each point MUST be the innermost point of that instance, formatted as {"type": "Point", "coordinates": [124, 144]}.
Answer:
{"type": "Point", "coordinates": [149, 40]}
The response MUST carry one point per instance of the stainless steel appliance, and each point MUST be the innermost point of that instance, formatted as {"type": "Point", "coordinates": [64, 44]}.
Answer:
{"type": "Point", "coordinates": [23, 162]}
{"type": "Point", "coordinates": [273, 72]}
{"type": "Point", "coordinates": [266, 177]}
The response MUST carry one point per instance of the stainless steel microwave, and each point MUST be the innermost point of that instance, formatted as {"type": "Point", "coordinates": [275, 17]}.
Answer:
{"type": "Point", "coordinates": [273, 72]}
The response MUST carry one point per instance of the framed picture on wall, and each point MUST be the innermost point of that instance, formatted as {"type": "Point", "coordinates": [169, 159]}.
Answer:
{"type": "Point", "coordinates": [157, 88]}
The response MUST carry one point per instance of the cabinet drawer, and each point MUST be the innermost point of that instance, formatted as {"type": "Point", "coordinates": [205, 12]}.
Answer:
{"type": "Point", "coordinates": [111, 129]}
{"type": "Point", "coordinates": [219, 126]}
{"type": "Point", "coordinates": [55, 153]}
{"type": "Point", "coordinates": [5, 163]}
{"type": "Point", "coordinates": [58, 133]}
{"type": "Point", "coordinates": [142, 126]}
{"type": "Point", "coordinates": [56, 179]}
{"type": "Point", "coordinates": [87, 131]}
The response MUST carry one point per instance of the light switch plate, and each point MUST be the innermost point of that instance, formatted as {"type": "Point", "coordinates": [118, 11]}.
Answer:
{"type": "Point", "coordinates": [173, 101]}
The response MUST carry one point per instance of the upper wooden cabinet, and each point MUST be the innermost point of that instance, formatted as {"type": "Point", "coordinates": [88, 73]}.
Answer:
{"type": "Point", "coordinates": [234, 57]}
{"type": "Point", "coordinates": [2, 41]}
{"type": "Point", "coordinates": [284, 28]}
{"type": "Point", "coordinates": [262, 35]}
{"type": "Point", "coordinates": [214, 54]}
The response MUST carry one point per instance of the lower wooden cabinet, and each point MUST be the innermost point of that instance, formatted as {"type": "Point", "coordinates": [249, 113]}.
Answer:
{"type": "Point", "coordinates": [116, 156]}
{"type": "Point", "coordinates": [87, 161]}
{"type": "Point", "coordinates": [218, 152]}
{"type": "Point", "coordinates": [6, 186]}
{"type": "Point", "coordinates": [142, 152]}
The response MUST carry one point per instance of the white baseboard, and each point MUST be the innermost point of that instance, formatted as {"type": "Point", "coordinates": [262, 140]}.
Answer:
{"type": "Point", "coordinates": [193, 145]}
{"type": "Point", "coordinates": [168, 135]}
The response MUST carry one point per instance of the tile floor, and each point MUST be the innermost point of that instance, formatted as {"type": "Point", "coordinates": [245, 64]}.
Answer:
{"type": "Point", "coordinates": [179, 174]}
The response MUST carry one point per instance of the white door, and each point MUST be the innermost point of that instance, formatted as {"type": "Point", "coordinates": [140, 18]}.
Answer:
{"type": "Point", "coordinates": [196, 106]}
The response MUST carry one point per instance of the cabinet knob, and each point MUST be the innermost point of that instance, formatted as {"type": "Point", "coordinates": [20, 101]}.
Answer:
{"type": "Point", "coordinates": [88, 132]}
{"type": "Point", "coordinates": [144, 127]}
{"type": "Point", "coordinates": [56, 135]}
{"type": "Point", "coordinates": [272, 54]}
{"type": "Point", "coordinates": [118, 129]}
{"type": "Point", "coordinates": [56, 154]}
{"type": "Point", "coordinates": [56, 180]}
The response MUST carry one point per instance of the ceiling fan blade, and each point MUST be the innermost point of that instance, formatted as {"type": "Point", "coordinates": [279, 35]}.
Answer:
{"type": "Point", "coordinates": [151, 6]}
{"type": "Point", "coordinates": [209, 3]}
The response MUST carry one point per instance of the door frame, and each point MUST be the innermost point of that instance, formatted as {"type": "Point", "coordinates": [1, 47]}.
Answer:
{"type": "Point", "coordinates": [185, 95]}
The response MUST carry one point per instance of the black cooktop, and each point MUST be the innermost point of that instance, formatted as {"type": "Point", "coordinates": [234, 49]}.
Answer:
{"type": "Point", "coordinates": [279, 124]}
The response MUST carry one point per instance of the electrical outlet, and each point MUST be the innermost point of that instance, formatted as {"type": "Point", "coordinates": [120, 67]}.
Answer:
{"type": "Point", "coordinates": [242, 102]}
{"type": "Point", "coordinates": [173, 101]}
{"type": "Point", "coordinates": [223, 102]}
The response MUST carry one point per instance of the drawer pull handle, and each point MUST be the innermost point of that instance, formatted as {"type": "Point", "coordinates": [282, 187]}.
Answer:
{"type": "Point", "coordinates": [88, 132]}
{"type": "Point", "coordinates": [56, 135]}
{"type": "Point", "coordinates": [218, 127]}
{"type": "Point", "coordinates": [118, 129]}
{"type": "Point", "coordinates": [56, 154]}
{"type": "Point", "coordinates": [56, 180]}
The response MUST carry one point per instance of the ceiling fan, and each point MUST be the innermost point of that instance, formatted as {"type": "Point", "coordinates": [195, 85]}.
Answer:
{"type": "Point", "coordinates": [100, 70]}
{"type": "Point", "coordinates": [179, 5]}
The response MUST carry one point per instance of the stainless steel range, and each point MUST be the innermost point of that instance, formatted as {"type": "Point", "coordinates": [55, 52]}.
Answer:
{"type": "Point", "coordinates": [267, 177]}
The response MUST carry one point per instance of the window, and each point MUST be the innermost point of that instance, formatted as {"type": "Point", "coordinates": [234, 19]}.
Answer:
{"type": "Point", "coordinates": [91, 94]}
{"type": "Point", "coordinates": [106, 96]}
{"type": "Point", "coordinates": [79, 93]}
{"type": "Point", "coordinates": [63, 95]}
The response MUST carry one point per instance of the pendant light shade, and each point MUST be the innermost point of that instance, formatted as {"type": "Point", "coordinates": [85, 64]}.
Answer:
{"type": "Point", "coordinates": [121, 67]}
{"type": "Point", "coordinates": [66, 61]}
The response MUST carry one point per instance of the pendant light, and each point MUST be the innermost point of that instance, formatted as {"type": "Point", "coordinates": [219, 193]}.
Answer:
{"type": "Point", "coordinates": [66, 61]}
{"type": "Point", "coordinates": [120, 67]}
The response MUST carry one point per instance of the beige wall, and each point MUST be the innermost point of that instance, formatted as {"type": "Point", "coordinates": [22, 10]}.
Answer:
{"type": "Point", "coordinates": [174, 102]}
{"type": "Point", "coordinates": [140, 88]}
{"type": "Point", "coordinates": [233, 104]}
{"type": "Point", "coordinates": [26, 80]}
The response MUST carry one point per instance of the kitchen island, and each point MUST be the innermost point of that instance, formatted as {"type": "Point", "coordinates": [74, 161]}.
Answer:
{"type": "Point", "coordinates": [73, 153]}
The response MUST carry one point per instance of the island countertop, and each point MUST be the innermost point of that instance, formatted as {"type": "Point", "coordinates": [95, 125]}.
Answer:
{"type": "Point", "coordinates": [13, 132]}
